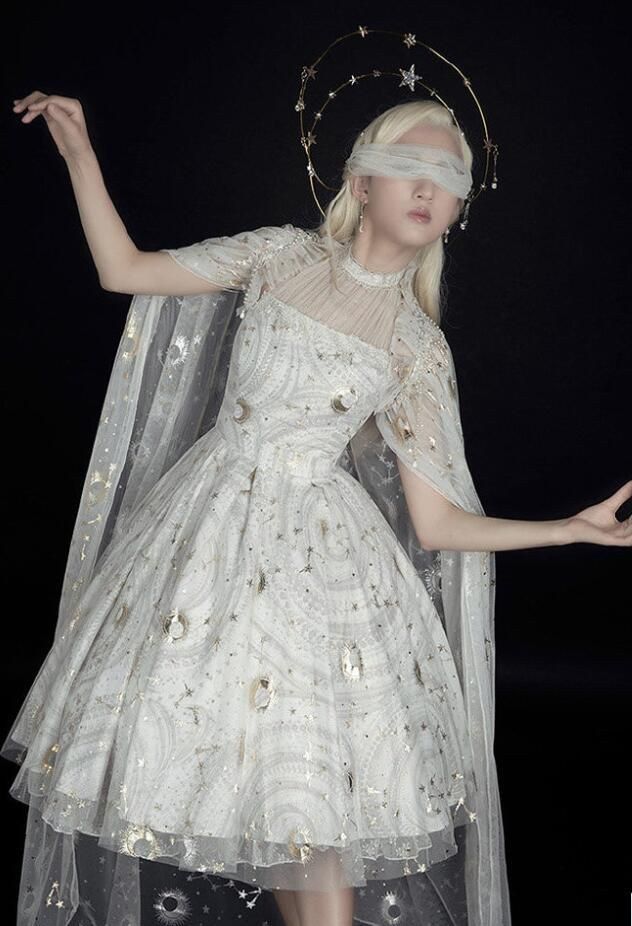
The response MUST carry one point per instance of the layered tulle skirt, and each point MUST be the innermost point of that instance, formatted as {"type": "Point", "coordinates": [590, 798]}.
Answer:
{"type": "Point", "coordinates": [256, 684]}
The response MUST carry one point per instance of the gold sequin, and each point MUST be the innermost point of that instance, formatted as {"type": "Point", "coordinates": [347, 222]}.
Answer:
{"type": "Point", "coordinates": [49, 760]}
{"type": "Point", "coordinates": [402, 426]}
{"type": "Point", "coordinates": [139, 840]}
{"type": "Point", "coordinates": [299, 844]}
{"type": "Point", "coordinates": [261, 581]}
{"type": "Point", "coordinates": [174, 626]}
{"type": "Point", "coordinates": [99, 485]}
{"type": "Point", "coordinates": [343, 399]}
{"type": "Point", "coordinates": [351, 660]}
{"type": "Point", "coordinates": [243, 411]}
{"type": "Point", "coordinates": [262, 693]}
{"type": "Point", "coordinates": [122, 616]}
{"type": "Point", "coordinates": [130, 344]}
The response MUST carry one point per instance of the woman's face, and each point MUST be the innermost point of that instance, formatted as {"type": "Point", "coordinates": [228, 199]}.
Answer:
{"type": "Point", "coordinates": [390, 199]}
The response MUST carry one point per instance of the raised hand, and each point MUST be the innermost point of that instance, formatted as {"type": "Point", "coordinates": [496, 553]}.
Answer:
{"type": "Point", "coordinates": [63, 116]}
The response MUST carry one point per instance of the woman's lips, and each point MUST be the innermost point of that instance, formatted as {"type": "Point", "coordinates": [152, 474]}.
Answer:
{"type": "Point", "coordinates": [417, 217]}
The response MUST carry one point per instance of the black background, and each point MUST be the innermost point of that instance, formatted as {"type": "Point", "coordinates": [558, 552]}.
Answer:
{"type": "Point", "coordinates": [190, 109]}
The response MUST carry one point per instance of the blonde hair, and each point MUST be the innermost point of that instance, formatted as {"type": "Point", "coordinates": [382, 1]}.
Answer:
{"type": "Point", "coordinates": [343, 212]}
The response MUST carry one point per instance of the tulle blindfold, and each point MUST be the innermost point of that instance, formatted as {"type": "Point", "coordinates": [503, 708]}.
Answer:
{"type": "Point", "coordinates": [412, 162]}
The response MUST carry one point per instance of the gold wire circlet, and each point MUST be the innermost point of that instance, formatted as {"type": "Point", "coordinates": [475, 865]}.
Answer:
{"type": "Point", "coordinates": [410, 80]}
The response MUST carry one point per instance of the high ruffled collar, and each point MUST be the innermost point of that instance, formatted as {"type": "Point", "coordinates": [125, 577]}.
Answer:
{"type": "Point", "coordinates": [372, 277]}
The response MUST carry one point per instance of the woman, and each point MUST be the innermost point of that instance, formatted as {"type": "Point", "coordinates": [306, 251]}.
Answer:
{"type": "Point", "coordinates": [273, 668]}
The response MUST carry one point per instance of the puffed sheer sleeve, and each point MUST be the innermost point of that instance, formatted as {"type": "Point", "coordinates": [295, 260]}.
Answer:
{"type": "Point", "coordinates": [422, 423]}
{"type": "Point", "coordinates": [228, 260]}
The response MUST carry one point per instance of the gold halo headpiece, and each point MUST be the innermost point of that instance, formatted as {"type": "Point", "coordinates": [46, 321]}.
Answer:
{"type": "Point", "coordinates": [408, 79]}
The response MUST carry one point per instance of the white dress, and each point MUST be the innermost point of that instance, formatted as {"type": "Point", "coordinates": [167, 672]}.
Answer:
{"type": "Point", "coordinates": [259, 674]}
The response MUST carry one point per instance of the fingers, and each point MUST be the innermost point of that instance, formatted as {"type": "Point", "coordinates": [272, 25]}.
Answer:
{"type": "Point", "coordinates": [38, 102]}
{"type": "Point", "coordinates": [20, 104]}
{"type": "Point", "coordinates": [28, 103]}
{"type": "Point", "coordinates": [36, 94]}
{"type": "Point", "coordinates": [30, 114]}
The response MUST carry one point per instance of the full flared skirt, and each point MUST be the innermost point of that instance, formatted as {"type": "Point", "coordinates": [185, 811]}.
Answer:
{"type": "Point", "coordinates": [256, 684]}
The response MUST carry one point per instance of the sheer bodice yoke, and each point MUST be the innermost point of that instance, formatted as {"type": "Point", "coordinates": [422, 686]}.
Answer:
{"type": "Point", "coordinates": [324, 343]}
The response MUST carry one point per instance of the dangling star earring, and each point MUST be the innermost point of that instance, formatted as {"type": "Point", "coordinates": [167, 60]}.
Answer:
{"type": "Point", "coordinates": [446, 235]}
{"type": "Point", "coordinates": [361, 228]}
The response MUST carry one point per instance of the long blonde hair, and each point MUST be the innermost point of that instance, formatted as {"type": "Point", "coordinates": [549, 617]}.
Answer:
{"type": "Point", "coordinates": [342, 215]}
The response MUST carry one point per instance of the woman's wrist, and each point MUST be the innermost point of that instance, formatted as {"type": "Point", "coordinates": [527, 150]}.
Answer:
{"type": "Point", "coordinates": [565, 531]}
{"type": "Point", "coordinates": [82, 160]}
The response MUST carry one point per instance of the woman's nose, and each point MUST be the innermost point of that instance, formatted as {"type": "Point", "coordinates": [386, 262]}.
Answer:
{"type": "Point", "coordinates": [425, 186]}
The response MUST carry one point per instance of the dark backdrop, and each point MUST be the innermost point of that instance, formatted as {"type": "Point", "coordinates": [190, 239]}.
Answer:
{"type": "Point", "coordinates": [191, 112]}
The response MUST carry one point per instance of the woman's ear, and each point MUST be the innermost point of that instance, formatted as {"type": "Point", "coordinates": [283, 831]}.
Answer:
{"type": "Point", "coordinates": [358, 185]}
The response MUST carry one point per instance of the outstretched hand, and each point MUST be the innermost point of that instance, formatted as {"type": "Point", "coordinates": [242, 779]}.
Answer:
{"type": "Point", "coordinates": [598, 523]}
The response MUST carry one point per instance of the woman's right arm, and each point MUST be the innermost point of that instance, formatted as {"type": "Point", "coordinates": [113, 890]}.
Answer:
{"type": "Point", "coordinates": [122, 268]}
{"type": "Point", "coordinates": [120, 265]}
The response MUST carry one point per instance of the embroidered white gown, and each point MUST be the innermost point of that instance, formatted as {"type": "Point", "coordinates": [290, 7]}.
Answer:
{"type": "Point", "coordinates": [295, 690]}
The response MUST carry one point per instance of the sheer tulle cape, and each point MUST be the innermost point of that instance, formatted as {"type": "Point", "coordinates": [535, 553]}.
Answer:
{"type": "Point", "coordinates": [164, 393]}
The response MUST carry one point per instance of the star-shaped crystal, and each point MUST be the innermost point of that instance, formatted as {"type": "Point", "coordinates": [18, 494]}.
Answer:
{"type": "Point", "coordinates": [409, 77]}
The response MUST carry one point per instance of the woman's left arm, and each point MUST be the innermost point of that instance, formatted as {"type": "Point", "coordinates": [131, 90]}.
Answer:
{"type": "Point", "coordinates": [447, 527]}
